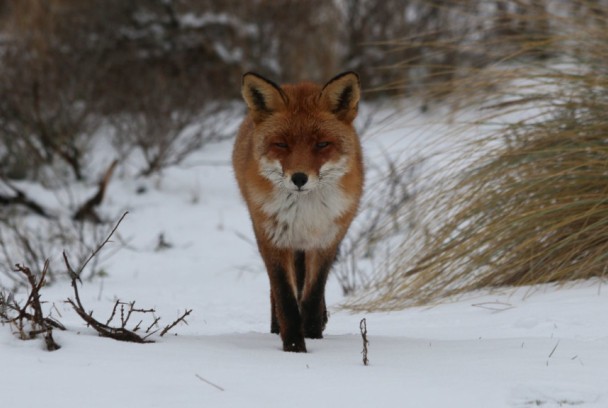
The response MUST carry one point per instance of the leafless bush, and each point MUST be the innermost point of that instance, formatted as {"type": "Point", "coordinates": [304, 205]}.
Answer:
{"type": "Point", "coordinates": [392, 188]}
{"type": "Point", "coordinates": [122, 312]}
{"type": "Point", "coordinates": [28, 320]}
{"type": "Point", "coordinates": [68, 65]}
{"type": "Point", "coordinates": [47, 86]}
{"type": "Point", "coordinates": [127, 310]}
{"type": "Point", "coordinates": [14, 197]}
{"type": "Point", "coordinates": [86, 211]}
{"type": "Point", "coordinates": [351, 277]}
{"type": "Point", "coordinates": [30, 242]}
{"type": "Point", "coordinates": [165, 137]}
{"type": "Point", "coordinates": [29, 237]}
{"type": "Point", "coordinates": [43, 114]}
{"type": "Point", "coordinates": [19, 244]}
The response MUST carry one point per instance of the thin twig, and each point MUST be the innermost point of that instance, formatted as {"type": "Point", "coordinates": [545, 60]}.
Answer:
{"type": "Point", "coordinates": [154, 323]}
{"type": "Point", "coordinates": [554, 348]}
{"type": "Point", "coordinates": [113, 312]}
{"type": "Point", "coordinates": [209, 382]}
{"type": "Point", "coordinates": [101, 245]}
{"type": "Point", "coordinates": [175, 323]}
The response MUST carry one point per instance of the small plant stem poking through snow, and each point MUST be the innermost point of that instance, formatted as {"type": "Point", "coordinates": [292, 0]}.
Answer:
{"type": "Point", "coordinates": [209, 382]}
{"type": "Point", "coordinates": [363, 328]}
{"type": "Point", "coordinates": [554, 348]}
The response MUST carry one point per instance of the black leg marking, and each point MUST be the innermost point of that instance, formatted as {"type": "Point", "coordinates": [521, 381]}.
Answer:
{"type": "Point", "coordinates": [274, 323]}
{"type": "Point", "coordinates": [287, 311]}
{"type": "Point", "coordinates": [300, 267]}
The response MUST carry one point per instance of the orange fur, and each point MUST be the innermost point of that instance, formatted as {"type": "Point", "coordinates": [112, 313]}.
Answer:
{"type": "Point", "coordinates": [298, 164]}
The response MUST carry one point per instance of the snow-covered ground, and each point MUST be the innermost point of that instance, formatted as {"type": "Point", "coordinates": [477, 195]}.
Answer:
{"type": "Point", "coordinates": [526, 348]}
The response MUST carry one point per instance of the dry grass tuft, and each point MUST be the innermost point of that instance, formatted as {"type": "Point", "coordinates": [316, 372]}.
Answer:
{"type": "Point", "coordinates": [532, 206]}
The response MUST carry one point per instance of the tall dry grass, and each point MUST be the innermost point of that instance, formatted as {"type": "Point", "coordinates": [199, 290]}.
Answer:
{"type": "Point", "coordinates": [530, 205]}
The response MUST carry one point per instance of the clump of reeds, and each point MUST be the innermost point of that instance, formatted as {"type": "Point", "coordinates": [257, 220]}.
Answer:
{"type": "Point", "coordinates": [532, 206]}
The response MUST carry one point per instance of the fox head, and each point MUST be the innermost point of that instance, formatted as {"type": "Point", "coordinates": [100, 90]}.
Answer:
{"type": "Point", "coordinates": [303, 134]}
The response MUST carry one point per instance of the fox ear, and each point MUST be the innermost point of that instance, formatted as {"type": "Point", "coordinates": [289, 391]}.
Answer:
{"type": "Point", "coordinates": [263, 97]}
{"type": "Point", "coordinates": [341, 96]}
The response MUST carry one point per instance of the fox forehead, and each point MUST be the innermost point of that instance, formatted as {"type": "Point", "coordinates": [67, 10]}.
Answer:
{"type": "Point", "coordinates": [304, 134]}
{"type": "Point", "coordinates": [302, 129]}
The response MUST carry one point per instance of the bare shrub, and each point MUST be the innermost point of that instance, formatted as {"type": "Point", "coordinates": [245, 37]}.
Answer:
{"type": "Point", "coordinates": [68, 65]}
{"type": "Point", "coordinates": [48, 84]}
{"type": "Point", "coordinates": [28, 320]}
{"type": "Point", "coordinates": [44, 116]}
{"type": "Point", "coordinates": [392, 187]}
{"type": "Point", "coordinates": [86, 211]}
{"type": "Point", "coordinates": [127, 310]}
{"type": "Point", "coordinates": [30, 242]}
{"type": "Point", "coordinates": [163, 136]}
{"type": "Point", "coordinates": [120, 330]}
{"type": "Point", "coordinates": [27, 237]}
{"type": "Point", "coordinates": [17, 197]}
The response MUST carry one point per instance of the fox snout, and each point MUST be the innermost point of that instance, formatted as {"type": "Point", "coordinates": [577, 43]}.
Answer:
{"type": "Point", "coordinates": [299, 179]}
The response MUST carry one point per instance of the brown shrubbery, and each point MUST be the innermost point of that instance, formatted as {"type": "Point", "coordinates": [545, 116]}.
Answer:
{"type": "Point", "coordinates": [532, 205]}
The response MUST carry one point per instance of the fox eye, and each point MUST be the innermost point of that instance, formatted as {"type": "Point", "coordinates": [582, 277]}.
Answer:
{"type": "Point", "coordinates": [322, 145]}
{"type": "Point", "coordinates": [280, 145]}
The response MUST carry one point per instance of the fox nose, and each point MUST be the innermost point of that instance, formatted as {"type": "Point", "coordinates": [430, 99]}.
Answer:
{"type": "Point", "coordinates": [299, 179]}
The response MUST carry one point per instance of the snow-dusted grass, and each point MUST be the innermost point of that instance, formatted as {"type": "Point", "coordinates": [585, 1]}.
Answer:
{"type": "Point", "coordinates": [532, 347]}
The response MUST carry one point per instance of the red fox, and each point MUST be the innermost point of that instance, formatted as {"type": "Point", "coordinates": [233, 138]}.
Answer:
{"type": "Point", "coordinates": [298, 164]}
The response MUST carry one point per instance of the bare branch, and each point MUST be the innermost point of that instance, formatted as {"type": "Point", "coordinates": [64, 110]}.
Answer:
{"type": "Point", "coordinates": [20, 198]}
{"type": "Point", "coordinates": [127, 310]}
{"type": "Point", "coordinates": [94, 254]}
{"type": "Point", "coordinates": [182, 318]}
{"type": "Point", "coordinates": [86, 212]}
{"type": "Point", "coordinates": [39, 324]}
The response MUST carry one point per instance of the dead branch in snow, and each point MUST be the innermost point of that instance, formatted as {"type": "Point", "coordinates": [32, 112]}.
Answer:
{"type": "Point", "coordinates": [119, 331]}
{"type": "Point", "coordinates": [29, 320]}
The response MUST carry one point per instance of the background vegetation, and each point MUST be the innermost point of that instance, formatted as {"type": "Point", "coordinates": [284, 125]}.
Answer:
{"type": "Point", "coordinates": [152, 79]}
{"type": "Point", "coordinates": [527, 201]}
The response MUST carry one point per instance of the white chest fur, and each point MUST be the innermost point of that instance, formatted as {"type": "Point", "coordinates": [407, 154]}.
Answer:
{"type": "Point", "coordinates": [305, 220]}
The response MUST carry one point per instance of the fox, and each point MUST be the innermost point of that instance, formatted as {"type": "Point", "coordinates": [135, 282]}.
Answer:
{"type": "Point", "coordinates": [298, 164]}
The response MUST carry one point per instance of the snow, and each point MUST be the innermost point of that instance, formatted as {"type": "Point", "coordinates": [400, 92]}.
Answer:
{"type": "Point", "coordinates": [529, 347]}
